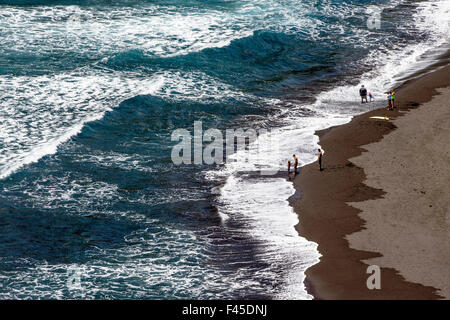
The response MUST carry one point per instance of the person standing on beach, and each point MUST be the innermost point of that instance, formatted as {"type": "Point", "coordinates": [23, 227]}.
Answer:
{"type": "Point", "coordinates": [363, 93]}
{"type": "Point", "coordinates": [371, 97]}
{"type": "Point", "coordinates": [392, 99]}
{"type": "Point", "coordinates": [295, 164]}
{"type": "Point", "coordinates": [319, 157]}
{"type": "Point", "coordinates": [289, 167]}
{"type": "Point", "coordinates": [389, 98]}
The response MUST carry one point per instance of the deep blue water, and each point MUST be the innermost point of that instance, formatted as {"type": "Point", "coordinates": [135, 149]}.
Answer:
{"type": "Point", "coordinates": [90, 92]}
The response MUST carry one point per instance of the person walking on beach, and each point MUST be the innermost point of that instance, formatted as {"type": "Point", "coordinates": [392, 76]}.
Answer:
{"type": "Point", "coordinates": [295, 164]}
{"type": "Point", "coordinates": [363, 93]}
{"type": "Point", "coordinates": [319, 157]}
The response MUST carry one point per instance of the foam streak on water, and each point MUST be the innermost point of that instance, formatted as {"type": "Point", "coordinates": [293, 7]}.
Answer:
{"type": "Point", "coordinates": [39, 113]}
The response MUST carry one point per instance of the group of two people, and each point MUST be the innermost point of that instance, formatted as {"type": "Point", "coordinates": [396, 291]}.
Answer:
{"type": "Point", "coordinates": [364, 93]}
{"type": "Point", "coordinates": [391, 100]}
{"type": "Point", "coordinates": [319, 158]}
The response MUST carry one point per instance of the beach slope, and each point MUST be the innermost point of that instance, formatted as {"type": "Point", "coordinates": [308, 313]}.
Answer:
{"type": "Point", "coordinates": [409, 225]}
{"type": "Point", "coordinates": [383, 199]}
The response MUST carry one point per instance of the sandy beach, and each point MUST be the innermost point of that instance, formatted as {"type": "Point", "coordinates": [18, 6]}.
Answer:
{"type": "Point", "coordinates": [383, 199]}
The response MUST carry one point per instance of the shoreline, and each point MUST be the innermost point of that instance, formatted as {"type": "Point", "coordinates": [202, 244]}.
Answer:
{"type": "Point", "coordinates": [327, 218]}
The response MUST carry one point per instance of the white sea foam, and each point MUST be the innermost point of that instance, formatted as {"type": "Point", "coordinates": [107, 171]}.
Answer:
{"type": "Point", "coordinates": [198, 87]}
{"type": "Point", "coordinates": [39, 113]}
{"type": "Point", "coordinates": [146, 266]}
{"type": "Point", "coordinates": [161, 31]}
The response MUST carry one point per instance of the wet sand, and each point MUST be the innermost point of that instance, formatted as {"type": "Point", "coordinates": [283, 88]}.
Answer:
{"type": "Point", "coordinates": [382, 199]}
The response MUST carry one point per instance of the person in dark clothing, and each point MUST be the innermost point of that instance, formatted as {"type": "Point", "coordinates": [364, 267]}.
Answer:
{"type": "Point", "coordinates": [295, 163]}
{"type": "Point", "coordinates": [363, 94]}
{"type": "Point", "coordinates": [319, 157]}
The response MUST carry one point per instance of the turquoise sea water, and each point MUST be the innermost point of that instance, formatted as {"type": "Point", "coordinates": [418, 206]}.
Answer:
{"type": "Point", "coordinates": [90, 92]}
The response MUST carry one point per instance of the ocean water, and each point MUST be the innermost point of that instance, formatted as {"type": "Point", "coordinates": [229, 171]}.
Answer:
{"type": "Point", "coordinates": [91, 205]}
